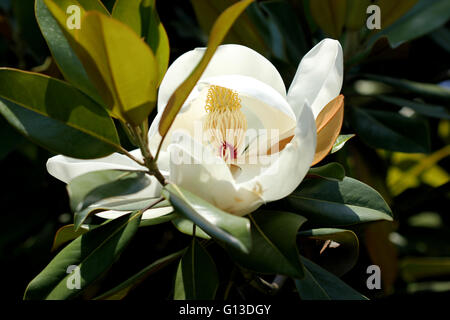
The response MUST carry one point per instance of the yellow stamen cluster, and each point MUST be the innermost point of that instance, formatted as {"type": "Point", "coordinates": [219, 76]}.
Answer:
{"type": "Point", "coordinates": [222, 99]}
{"type": "Point", "coordinates": [225, 123]}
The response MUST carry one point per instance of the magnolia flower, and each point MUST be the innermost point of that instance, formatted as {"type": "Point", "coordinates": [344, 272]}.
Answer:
{"type": "Point", "coordinates": [208, 150]}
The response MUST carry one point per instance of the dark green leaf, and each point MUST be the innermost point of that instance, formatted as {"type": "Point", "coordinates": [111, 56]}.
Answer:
{"type": "Point", "coordinates": [338, 203]}
{"type": "Point", "coordinates": [274, 247]}
{"type": "Point", "coordinates": [442, 37]}
{"type": "Point", "coordinates": [196, 277]}
{"type": "Point", "coordinates": [56, 115]}
{"type": "Point", "coordinates": [93, 187]}
{"type": "Point", "coordinates": [391, 131]}
{"type": "Point", "coordinates": [319, 284]}
{"type": "Point", "coordinates": [333, 171]}
{"type": "Point", "coordinates": [220, 225]}
{"type": "Point", "coordinates": [425, 89]}
{"type": "Point", "coordinates": [93, 253]}
{"type": "Point", "coordinates": [120, 291]}
{"type": "Point", "coordinates": [424, 17]}
{"type": "Point", "coordinates": [429, 110]}
{"type": "Point", "coordinates": [338, 260]}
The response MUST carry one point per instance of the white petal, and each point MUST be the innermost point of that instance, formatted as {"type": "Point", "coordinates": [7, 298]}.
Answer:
{"type": "Point", "coordinates": [319, 77]}
{"type": "Point", "coordinates": [228, 59]}
{"type": "Point", "coordinates": [194, 168]}
{"type": "Point", "coordinates": [148, 214]}
{"type": "Point", "coordinates": [264, 108]}
{"type": "Point", "coordinates": [65, 168]}
{"type": "Point", "coordinates": [292, 163]}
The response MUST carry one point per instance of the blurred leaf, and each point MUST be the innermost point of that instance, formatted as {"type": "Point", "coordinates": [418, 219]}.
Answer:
{"type": "Point", "coordinates": [9, 137]}
{"type": "Point", "coordinates": [32, 104]}
{"type": "Point", "coordinates": [391, 11]}
{"type": "Point", "coordinates": [66, 234]}
{"type": "Point", "coordinates": [218, 33]}
{"type": "Point", "coordinates": [196, 277]}
{"type": "Point", "coordinates": [142, 17]}
{"type": "Point", "coordinates": [340, 142]}
{"type": "Point", "coordinates": [328, 124]}
{"type": "Point", "coordinates": [408, 170]}
{"type": "Point", "coordinates": [356, 14]}
{"type": "Point", "coordinates": [424, 17]}
{"type": "Point", "coordinates": [25, 20]}
{"type": "Point", "coordinates": [319, 284]}
{"type": "Point", "coordinates": [425, 89]}
{"type": "Point", "coordinates": [442, 37]}
{"type": "Point", "coordinates": [338, 203]}
{"type": "Point", "coordinates": [93, 252]}
{"type": "Point", "coordinates": [121, 291]}
{"type": "Point", "coordinates": [221, 225]}
{"type": "Point", "coordinates": [283, 15]}
{"type": "Point", "coordinates": [382, 252]}
{"type": "Point", "coordinates": [104, 45]}
{"type": "Point", "coordinates": [244, 30]}
{"type": "Point", "coordinates": [93, 187]}
{"type": "Point", "coordinates": [391, 131]}
{"type": "Point", "coordinates": [68, 62]}
{"type": "Point", "coordinates": [338, 260]}
{"type": "Point", "coordinates": [332, 171]}
{"type": "Point", "coordinates": [414, 269]}
{"type": "Point", "coordinates": [274, 249]}
{"type": "Point", "coordinates": [329, 15]}
{"type": "Point", "coordinates": [430, 110]}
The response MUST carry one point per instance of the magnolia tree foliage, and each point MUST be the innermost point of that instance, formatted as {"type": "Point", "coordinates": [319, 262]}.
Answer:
{"type": "Point", "coordinates": [235, 157]}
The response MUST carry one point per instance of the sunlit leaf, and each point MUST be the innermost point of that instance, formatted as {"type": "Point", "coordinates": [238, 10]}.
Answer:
{"type": "Point", "coordinates": [66, 234]}
{"type": "Point", "coordinates": [356, 14]}
{"type": "Point", "coordinates": [142, 17]}
{"type": "Point", "coordinates": [119, 63]}
{"type": "Point", "coordinates": [340, 142]}
{"type": "Point", "coordinates": [68, 62]}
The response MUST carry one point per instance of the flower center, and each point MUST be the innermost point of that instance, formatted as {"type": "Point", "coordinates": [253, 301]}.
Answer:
{"type": "Point", "coordinates": [225, 124]}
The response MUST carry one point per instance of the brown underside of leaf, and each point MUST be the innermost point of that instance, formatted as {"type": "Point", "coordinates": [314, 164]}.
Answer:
{"type": "Point", "coordinates": [329, 124]}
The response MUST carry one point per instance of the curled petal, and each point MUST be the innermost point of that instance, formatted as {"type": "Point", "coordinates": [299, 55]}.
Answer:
{"type": "Point", "coordinates": [319, 77]}
{"type": "Point", "coordinates": [284, 175]}
{"type": "Point", "coordinates": [196, 169]}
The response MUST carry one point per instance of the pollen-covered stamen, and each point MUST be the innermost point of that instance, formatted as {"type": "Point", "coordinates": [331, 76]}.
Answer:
{"type": "Point", "coordinates": [225, 124]}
